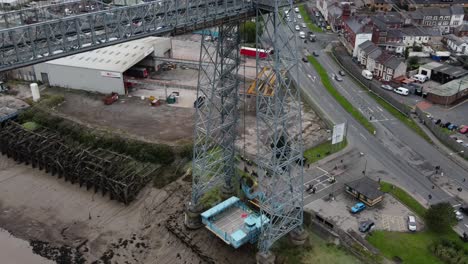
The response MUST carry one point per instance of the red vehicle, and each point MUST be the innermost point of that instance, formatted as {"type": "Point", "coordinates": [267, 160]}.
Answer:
{"type": "Point", "coordinates": [137, 72]}
{"type": "Point", "coordinates": [111, 98]}
{"type": "Point", "coordinates": [464, 130]}
{"type": "Point", "coordinates": [252, 52]}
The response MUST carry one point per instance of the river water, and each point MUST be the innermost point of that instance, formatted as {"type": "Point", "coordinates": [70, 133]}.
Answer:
{"type": "Point", "coordinates": [17, 251]}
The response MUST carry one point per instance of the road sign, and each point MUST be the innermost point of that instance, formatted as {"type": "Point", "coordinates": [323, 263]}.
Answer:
{"type": "Point", "coordinates": [338, 133]}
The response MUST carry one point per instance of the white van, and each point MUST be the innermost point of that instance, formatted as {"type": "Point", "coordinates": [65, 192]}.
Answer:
{"type": "Point", "coordinates": [420, 78]}
{"type": "Point", "coordinates": [367, 74]}
{"type": "Point", "coordinates": [401, 91]}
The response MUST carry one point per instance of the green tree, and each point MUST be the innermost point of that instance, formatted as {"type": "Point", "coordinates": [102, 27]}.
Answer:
{"type": "Point", "coordinates": [440, 217]}
{"type": "Point", "coordinates": [413, 62]}
{"type": "Point", "coordinates": [247, 31]}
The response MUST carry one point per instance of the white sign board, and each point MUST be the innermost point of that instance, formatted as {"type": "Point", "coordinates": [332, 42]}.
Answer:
{"type": "Point", "coordinates": [338, 133]}
{"type": "Point", "coordinates": [110, 74]}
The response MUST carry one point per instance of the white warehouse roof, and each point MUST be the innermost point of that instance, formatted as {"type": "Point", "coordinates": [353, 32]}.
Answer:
{"type": "Point", "coordinates": [116, 58]}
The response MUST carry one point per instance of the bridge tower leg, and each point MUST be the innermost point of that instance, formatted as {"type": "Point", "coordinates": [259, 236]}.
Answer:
{"type": "Point", "coordinates": [279, 128]}
{"type": "Point", "coordinates": [216, 118]}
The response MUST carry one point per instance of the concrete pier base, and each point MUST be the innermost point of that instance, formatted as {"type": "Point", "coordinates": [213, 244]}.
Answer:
{"type": "Point", "coordinates": [298, 236]}
{"type": "Point", "coordinates": [265, 258]}
{"type": "Point", "coordinates": [192, 218]}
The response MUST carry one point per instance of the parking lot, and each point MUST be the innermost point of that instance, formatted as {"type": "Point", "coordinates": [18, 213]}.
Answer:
{"type": "Point", "coordinates": [388, 215]}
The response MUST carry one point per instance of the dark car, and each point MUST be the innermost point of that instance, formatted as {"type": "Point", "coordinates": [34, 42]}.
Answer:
{"type": "Point", "coordinates": [315, 54]}
{"type": "Point", "coordinates": [305, 59]}
{"type": "Point", "coordinates": [342, 73]}
{"type": "Point", "coordinates": [338, 78]}
{"type": "Point", "coordinates": [464, 209]}
{"type": "Point", "coordinates": [366, 226]}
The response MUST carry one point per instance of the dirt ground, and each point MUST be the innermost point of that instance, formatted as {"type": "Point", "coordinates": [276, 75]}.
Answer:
{"type": "Point", "coordinates": [71, 225]}
{"type": "Point", "coordinates": [131, 116]}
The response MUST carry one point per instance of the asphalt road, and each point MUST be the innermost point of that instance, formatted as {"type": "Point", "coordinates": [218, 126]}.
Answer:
{"type": "Point", "coordinates": [395, 152]}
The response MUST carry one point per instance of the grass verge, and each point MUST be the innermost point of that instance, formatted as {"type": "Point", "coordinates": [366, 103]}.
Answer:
{"type": "Point", "coordinates": [312, 27]}
{"type": "Point", "coordinates": [316, 251]}
{"type": "Point", "coordinates": [408, 247]}
{"type": "Point", "coordinates": [403, 197]}
{"type": "Point", "coordinates": [319, 152]}
{"type": "Point", "coordinates": [410, 123]}
{"type": "Point", "coordinates": [339, 98]}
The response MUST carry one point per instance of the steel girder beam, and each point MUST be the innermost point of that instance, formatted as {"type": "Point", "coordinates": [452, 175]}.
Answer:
{"type": "Point", "coordinates": [30, 44]}
{"type": "Point", "coordinates": [279, 127]}
{"type": "Point", "coordinates": [216, 117]}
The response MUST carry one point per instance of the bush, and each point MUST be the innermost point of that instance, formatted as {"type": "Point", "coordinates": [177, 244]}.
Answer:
{"type": "Point", "coordinates": [450, 252]}
{"type": "Point", "coordinates": [30, 126]}
{"type": "Point", "coordinates": [139, 150]}
{"type": "Point", "coordinates": [440, 217]}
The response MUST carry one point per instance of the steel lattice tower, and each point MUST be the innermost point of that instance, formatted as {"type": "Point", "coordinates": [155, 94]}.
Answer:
{"type": "Point", "coordinates": [216, 118]}
{"type": "Point", "coordinates": [279, 130]}
{"type": "Point", "coordinates": [279, 126]}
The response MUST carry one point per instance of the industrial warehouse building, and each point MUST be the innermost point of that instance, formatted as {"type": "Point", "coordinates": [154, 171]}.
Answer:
{"type": "Point", "coordinates": [104, 70]}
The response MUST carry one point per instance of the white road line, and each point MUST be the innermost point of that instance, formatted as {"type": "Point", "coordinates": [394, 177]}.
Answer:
{"type": "Point", "coordinates": [315, 179]}
{"type": "Point", "coordinates": [322, 169]}
{"type": "Point", "coordinates": [380, 109]}
{"type": "Point", "coordinates": [363, 136]}
{"type": "Point", "coordinates": [308, 195]}
{"type": "Point", "coordinates": [372, 111]}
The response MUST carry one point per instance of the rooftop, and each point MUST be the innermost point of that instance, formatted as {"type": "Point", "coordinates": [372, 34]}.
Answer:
{"type": "Point", "coordinates": [434, 11]}
{"type": "Point", "coordinates": [426, 2]}
{"type": "Point", "coordinates": [450, 88]}
{"type": "Point", "coordinates": [117, 58]}
{"type": "Point", "coordinates": [358, 24]}
{"type": "Point", "coordinates": [367, 187]}
{"type": "Point", "coordinates": [453, 71]}
{"type": "Point", "coordinates": [431, 65]}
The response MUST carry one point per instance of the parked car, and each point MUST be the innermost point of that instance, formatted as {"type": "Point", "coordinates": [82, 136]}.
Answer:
{"type": "Point", "coordinates": [338, 78]}
{"type": "Point", "coordinates": [299, 16]}
{"type": "Point", "coordinates": [459, 141]}
{"type": "Point", "coordinates": [452, 127]}
{"type": "Point", "coordinates": [315, 54]}
{"type": "Point", "coordinates": [386, 87]}
{"type": "Point", "coordinates": [296, 9]}
{"type": "Point", "coordinates": [366, 226]}
{"type": "Point", "coordinates": [342, 73]}
{"type": "Point", "coordinates": [458, 215]}
{"type": "Point", "coordinates": [463, 129]}
{"type": "Point", "coordinates": [297, 27]}
{"type": "Point", "coordinates": [412, 223]}
{"type": "Point", "coordinates": [401, 91]}
{"type": "Point", "coordinates": [464, 209]}
{"type": "Point", "coordinates": [367, 74]}
{"type": "Point", "coordinates": [358, 208]}
{"type": "Point", "coordinates": [302, 35]}
{"type": "Point", "coordinates": [303, 25]}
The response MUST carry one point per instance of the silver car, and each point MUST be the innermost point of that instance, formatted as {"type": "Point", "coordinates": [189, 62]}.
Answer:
{"type": "Point", "coordinates": [386, 87]}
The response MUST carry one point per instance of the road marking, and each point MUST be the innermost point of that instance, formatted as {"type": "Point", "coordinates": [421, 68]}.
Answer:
{"type": "Point", "coordinates": [372, 111]}
{"type": "Point", "coordinates": [308, 195]}
{"type": "Point", "coordinates": [382, 120]}
{"type": "Point", "coordinates": [363, 136]}
{"type": "Point", "coordinates": [380, 109]}
{"type": "Point", "coordinates": [322, 169]}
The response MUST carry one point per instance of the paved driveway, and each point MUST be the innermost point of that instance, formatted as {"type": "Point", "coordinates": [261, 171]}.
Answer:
{"type": "Point", "coordinates": [388, 215]}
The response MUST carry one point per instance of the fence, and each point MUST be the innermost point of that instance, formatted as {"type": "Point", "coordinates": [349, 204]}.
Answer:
{"type": "Point", "coordinates": [439, 132]}
{"type": "Point", "coordinates": [374, 86]}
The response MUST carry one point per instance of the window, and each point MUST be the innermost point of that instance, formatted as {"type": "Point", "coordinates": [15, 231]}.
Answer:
{"type": "Point", "coordinates": [441, 18]}
{"type": "Point", "coordinates": [429, 17]}
{"type": "Point", "coordinates": [455, 23]}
